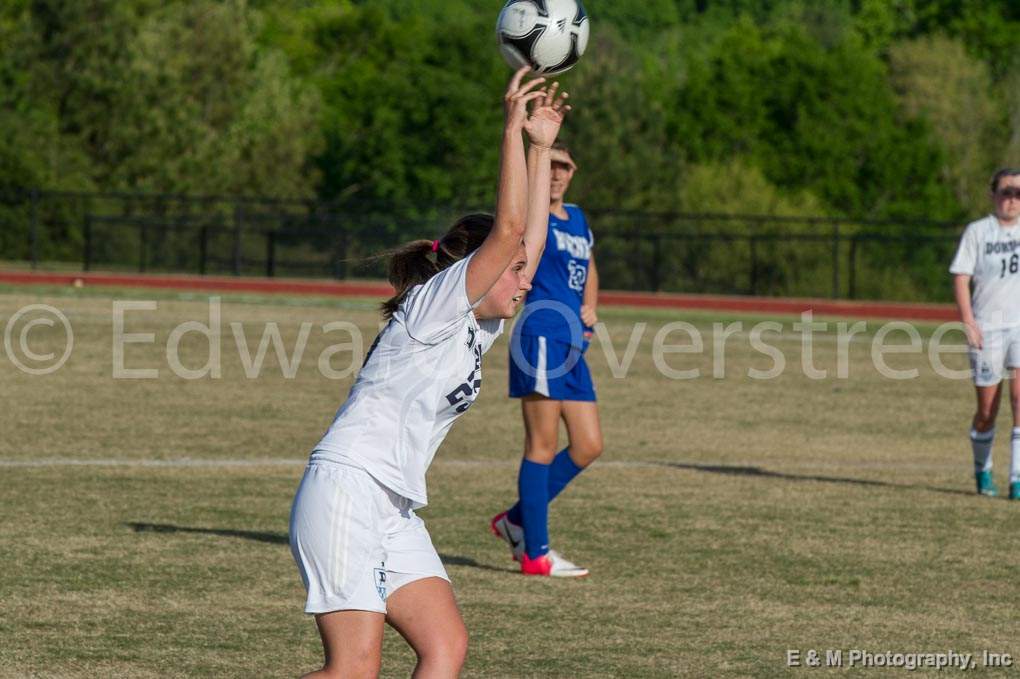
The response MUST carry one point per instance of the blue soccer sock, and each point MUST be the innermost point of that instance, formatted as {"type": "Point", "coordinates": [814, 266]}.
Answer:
{"type": "Point", "coordinates": [561, 472]}
{"type": "Point", "coordinates": [533, 507]}
{"type": "Point", "coordinates": [514, 514]}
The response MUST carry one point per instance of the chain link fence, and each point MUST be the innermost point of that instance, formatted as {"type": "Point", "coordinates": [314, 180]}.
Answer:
{"type": "Point", "coordinates": [681, 252]}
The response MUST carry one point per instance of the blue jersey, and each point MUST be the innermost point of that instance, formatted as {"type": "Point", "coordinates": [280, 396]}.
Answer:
{"type": "Point", "coordinates": [553, 306]}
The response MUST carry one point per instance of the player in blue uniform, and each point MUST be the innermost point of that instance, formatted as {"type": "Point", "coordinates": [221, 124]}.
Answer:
{"type": "Point", "coordinates": [550, 376]}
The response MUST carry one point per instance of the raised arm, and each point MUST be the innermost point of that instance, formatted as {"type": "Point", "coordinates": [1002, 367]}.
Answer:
{"type": "Point", "coordinates": [523, 183]}
{"type": "Point", "coordinates": [494, 255]}
{"type": "Point", "coordinates": [542, 127]}
{"type": "Point", "coordinates": [539, 178]}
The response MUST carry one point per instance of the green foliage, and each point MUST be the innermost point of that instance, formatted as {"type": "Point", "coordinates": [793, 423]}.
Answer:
{"type": "Point", "coordinates": [1010, 131]}
{"type": "Point", "coordinates": [932, 77]}
{"type": "Point", "coordinates": [619, 129]}
{"type": "Point", "coordinates": [813, 118]}
{"type": "Point", "coordinates": [869, 108]}
{"type": "Point", "coordinates": [989, 28]}
{"type": "Point", "coordinates": [174, 97]}
{"type": "Point", "coordinates": [738, 187]}
{"type": "Point", "coordinates": [638, 19]}
{"type": "Point", "coordinates": [878, 22]}
{"type": "Point", "coordinates": [32, 151]}
{"type": "Point", "coordinates": [401, 125]}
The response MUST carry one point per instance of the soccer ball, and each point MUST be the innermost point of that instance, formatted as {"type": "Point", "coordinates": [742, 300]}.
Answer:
{"type": "Point", "coordinates": [548, 35]}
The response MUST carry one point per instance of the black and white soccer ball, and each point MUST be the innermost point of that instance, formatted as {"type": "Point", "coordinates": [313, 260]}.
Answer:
{"type": "Point", "coordinates": [548, 35]}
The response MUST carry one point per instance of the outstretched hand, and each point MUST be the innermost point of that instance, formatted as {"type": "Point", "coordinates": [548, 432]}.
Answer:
{"type": "Point", "coordinates": [546, 116]}
{"type": "Point", "coordinates": [543, 121]}
{"type": "Point", "coordinates": [515, 101]}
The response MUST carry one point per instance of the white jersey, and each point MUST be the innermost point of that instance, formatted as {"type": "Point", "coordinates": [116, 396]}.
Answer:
{"type": "Point", "coordinates": [990, 254]}
{"type": "Point", "coordinates": [423, 371]}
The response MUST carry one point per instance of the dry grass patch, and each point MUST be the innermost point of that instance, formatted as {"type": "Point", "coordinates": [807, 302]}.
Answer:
{"type": "Point", "coordinates": [731, 519]}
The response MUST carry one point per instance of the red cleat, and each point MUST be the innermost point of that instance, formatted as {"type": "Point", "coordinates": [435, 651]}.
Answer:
{"type": "Point", "coordinates": [551, 565]}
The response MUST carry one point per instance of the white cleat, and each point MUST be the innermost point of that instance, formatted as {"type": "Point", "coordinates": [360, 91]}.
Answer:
{"type": "Point", "coordinates": [510, 533]}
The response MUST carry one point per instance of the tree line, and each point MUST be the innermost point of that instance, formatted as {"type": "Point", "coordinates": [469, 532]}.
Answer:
{"type": "Point", "coordinates": [876, 109]}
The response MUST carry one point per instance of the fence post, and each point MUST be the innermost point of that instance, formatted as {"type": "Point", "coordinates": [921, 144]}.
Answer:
{"type": "Point", "coordinates": [270, 254]}
{"type": "Point", "coordinates": [87, 258]}
{"type": "Point", "coordinates": [143, 244]}
{"type": "Point", "coordinates": [754, 265]}
{"type": "Point", "coordinates": [852, 265]}
{"type": "Point", "coordinates": [203, 248]}
{"type": "Point", "coordinates": [33, 233]}
{"type": "Point", "coordinates": [238, 225]}
{"type": "Point", "coordinates": [835, 260]}
{"type": "Point", "coordinates": [656, 262]}
{"type": "Point", "coordinates": [341, 261]}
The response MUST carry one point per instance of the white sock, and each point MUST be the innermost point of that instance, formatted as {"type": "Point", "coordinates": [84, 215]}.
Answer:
{"type": "Point", "coordinates": [1014, 463]}
{"type": "Point", "coordinates": [981, 443]}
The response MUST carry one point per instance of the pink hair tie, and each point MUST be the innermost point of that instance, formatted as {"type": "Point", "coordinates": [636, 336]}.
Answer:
{"type": "Point", "coordinates": [435, 246]}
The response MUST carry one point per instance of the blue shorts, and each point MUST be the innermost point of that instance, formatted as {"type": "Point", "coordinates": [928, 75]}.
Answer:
{"type": "Point", "coordinates": [539, 365]}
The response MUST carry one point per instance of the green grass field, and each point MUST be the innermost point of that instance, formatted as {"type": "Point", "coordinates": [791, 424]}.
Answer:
{"type": "Point", "coordinates": [144, 528]}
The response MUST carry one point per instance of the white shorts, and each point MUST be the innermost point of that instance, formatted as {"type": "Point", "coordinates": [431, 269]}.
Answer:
{"type": "Point", "coordinates": [355, 541]}
{"type": "Point", "coordinates": [1000, 350]}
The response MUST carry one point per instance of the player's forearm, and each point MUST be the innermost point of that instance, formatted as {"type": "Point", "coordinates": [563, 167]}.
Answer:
{"type": "Point", "coordinates": [539, 180]}
{"type": "Point", "coordinates": [961, 288]}
{"type": "Point", "coordinates": [591, 285]}
{"type": "Point", "coordinates": [512, 195]}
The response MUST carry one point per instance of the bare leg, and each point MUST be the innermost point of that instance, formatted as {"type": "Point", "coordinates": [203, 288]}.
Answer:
{"type": "Point", "coordinates": [1014, 444]}
{"type": "Point", "coordinates": [541, 427]}
{"type": "Point", "coordinates": [988, 406]}
{"type": "Point", "coordinates": [352, 642]}
{"type": "Point", "coordinates": [1014, 396]}
{"type": "Point", "coordinates": [426, 615]}
{"type": "Point", "coordinates": [584, 429]}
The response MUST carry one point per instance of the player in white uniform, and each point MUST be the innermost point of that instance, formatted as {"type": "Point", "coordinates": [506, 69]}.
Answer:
{"type": "Point", "coordinates": [364, 555]}
{"type": "Point", "coordinates": [989, 258]}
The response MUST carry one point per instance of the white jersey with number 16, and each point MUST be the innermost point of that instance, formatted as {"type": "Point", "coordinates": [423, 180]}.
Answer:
{"type": "Point", "coordinates": [990, 254]}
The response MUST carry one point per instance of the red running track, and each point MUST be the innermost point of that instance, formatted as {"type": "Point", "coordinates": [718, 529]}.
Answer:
{"type": "Point", "coordinates": [733, 303]}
